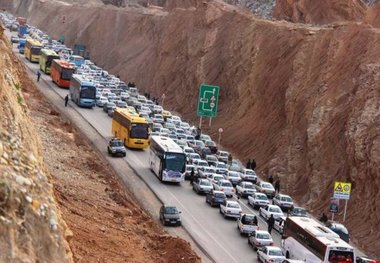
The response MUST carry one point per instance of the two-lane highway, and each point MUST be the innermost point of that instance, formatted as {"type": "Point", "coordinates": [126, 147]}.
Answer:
{"type": "Point", "coordinates": [219, 237]}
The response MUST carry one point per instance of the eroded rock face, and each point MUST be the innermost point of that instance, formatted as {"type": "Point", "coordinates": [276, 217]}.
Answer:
{"type": "Point", "coordinates": [302, 100]}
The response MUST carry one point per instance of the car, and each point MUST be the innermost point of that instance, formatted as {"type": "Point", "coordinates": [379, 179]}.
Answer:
{"type": "Point", "coordinates": [215, 178]}
{"type": "Point", "coordinates": [221, 168]}
{"type": "Point", "coordinates": [298, 211]}
{"type": "Point", "coordinates": [364, 259]}
{"type": "Point", "coordinates": [206, 172]}
{"type": "Point", "coordinates": [157, 118]}
{"type": "Point", "coordinates": [111, 111]}
{"type": "Point", "coordinates": [204, 152]}
{"type": "Point", "coordinates": [116, 147]}
{"type": "Point", "coordinates": [101, 101]}
{"type": "Point", "coordinates": [270, 254]}
{"type": "Point", "coordinates": [233, 177]}
{"type": "Point", "coordinates": [260, 238]}
{"type": "Point", "coordinates": [249, 175]}
{"type": "Point", "coordinates": [266, 188]}
{"type": "Point", "coordinates": [215, 198]}
{"type": "Point", "coordinates": [202, 186]}
{"type": "Point", "coordinates": [187, 150]}
{"type": "Point", "coordinates": [339, 229]}
{"type": "Point", "coordinates": [225, 186]}
{"type": "Point", "coordinates": [204, 137]}
{"type": "Point", "coordinates": [247, 223]}
{"type": "Point", "coordinates": [184, 125]}
{"type": "Point", "coordinates": [158, 109]}
{"type": "Point", "coordinates": [279, 224]}
{"type": "Point", "coordinates": [156, 127]}
{"type": "Point", "coordinates": [269, 210]}
{"type": "Point", "coordinates": [107, 106]}
{"type": "Point", "coordinates": [230, 209]}
{"type": "Point", "coordinates": [194, 156]}
{"type": "Point", "coordinates": [182, 143]}
{"type": "Point", "coordinates": [223, 156]}
{"type": "Point", "coordinates": [166, 114]}
{"type": "Point", "coordinates": [212, 146]}
{"type": "Point", "coordinates": [198, 145]}
{"type": "Point", "coordinates": [180, 134]}
{"type": "Point", "coordinates": [245, 189]}
{"type": "Point", "coordinates": [285, 202]}
{"type": "Point", "coordinates": [187, 172]}
{"type": "Point", "coordinates": [170, 215]}
{"type": "Point", "coordinates": [121, 104]}
{"type": "Point", "coordinates": [211, 159]}
{"type": "Point", "coordinates": [14, 39]}
{"type": "Point", "coordinates": [170, 126]}
{"type": "Point", "coordinates": [199, 163]}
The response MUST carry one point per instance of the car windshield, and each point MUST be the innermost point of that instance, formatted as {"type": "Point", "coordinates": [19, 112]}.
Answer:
{"type": "Point", "coordinates": [233, 205]}
{"type": "Point", "coordinates": [210, 143]}
{"type": "Point", "coordinates": [211, 158]}
{"type": "Point", "coordinates": [233, 175]}
{"type": "Point", "coordinates": [248, 186]}
{"type": "Point", "coordinates": [88, 92]}
{"type": "Point", "coordinates": [267, 185]}
{"type": "Point", "coordinates": [226, 184]}
{"type": "Point", "coordinates": [223, 154]}
{"type": "Point", "coordinates": [175, 161]}
{"type": "Point", "coordinates": [139, 131]}
{"type": "Point", "coordinates": [195, 156]}
{"type": "Point", "coordinates": [299, 211]}
{"type": "Point", "coordinates": [275, 210]}
{"type": "Point", "coordinates": [171, 210]}
{"type": "Point", "coordinates": [261, 197]}
{"type": "Point", "coordinates": [286, 199]}
{"type": "Point", "coordinates": [218, 178]}
{"type": "Point", "coordinates": [249, 219]}
{"type": "Point", "coordinates": [275, 253]}
{"type": "Point", "coordinates": [116, 143]}
{"type": "Point", "coordinates": [249, 172]}
{"type": "Point", "coordinates": [263, 236]}
{"type": "Point", "coordinates": [205, 183]}
{"type": "Point", "coordinates": [221, 165]}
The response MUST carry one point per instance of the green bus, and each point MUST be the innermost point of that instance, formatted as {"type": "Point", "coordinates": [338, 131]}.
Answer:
{"type": "Point", "coordinates": [46, 57]}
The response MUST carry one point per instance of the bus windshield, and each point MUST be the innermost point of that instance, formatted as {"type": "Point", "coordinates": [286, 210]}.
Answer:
{"type": "Point", "coordinates": [341, 256]}
{"type": "Point", "coordinates": [88, 92]}
{"type": "Point", "coordinates": [50, 59]}
{"type": "Point", "coordinates": [35, 50]}
{"type": "Point", "coordinates": [139, 131]}
{"type": "Point", "coordinates": [175, 161]}
{"type": "Point", "coordinates": [66, 73]}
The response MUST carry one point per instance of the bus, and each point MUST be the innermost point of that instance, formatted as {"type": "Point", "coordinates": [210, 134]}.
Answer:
{"type": "Point", "coordinates": [21, 45]}
{"type": "Point", "coordinates": [82, 91]}
{"type": "Point", "coordinates": [61, 73]}
{"type": "Point", "coordinates": [32, 50]}
{"type": "Point", "coordinates": [46, 58]}
{"type": "Point", "coordinates": [166, 159]}
{"type": "Point", "coordinates": [308, 240]}
{"type": "Point", "coordinates": [130, 128]}
{"type": "Point", "coordinates": [77, 60]}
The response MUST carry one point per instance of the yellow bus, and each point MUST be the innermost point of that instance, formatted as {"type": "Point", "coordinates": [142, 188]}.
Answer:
{"type": "Point", "coordinates": [46, 58]}
{"type": "Point", "coordinates": [32, 50]}
{"type": "Point", "coordinates": [130, 128]}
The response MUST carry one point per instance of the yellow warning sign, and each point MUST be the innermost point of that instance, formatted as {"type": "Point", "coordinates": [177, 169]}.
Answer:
{"type": "Point", "coordinates": [342, 188]}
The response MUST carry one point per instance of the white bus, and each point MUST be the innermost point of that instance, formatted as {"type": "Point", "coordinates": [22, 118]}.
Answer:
{"type": "Point", "coordinates": [166, 159]}
{"type": "Point", "coordinates": [308, 240]}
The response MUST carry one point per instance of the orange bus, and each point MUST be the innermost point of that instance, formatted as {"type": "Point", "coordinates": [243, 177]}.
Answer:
{"type": "Point", "coordinates": [61, 72]}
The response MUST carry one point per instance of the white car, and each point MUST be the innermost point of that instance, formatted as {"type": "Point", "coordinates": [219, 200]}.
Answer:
{"type": "Point", "coordinates": [260, 238]}
{"type": "Point", "coordinates": [188, 150]}
{"type": "Point", "coordinates": [249, 175]}
{"type": "Point", "coordinates": [234, 177]}
{"type": "Point", "coordinates": [269, 210]}
{"type": "Point", "coordinates": [279, 224]}
{"type": "Point", "coordinates": [202, 186]}
{"type": "Point", "coordinates": [193, 157]}
{"type": "Point", "coordinates": [157, 118]}
{"type": "Point", "coordinates": [223, 156]}
{"type": "Point", "coordinates": [206, 172]}
{"type": "Point", "coordinates": [101, 101]}
{"type": "Point", "coordinates": [225, 186]}
{"type": "Point", "coordinates": [221, 168]}
{"type": "Point", "coordinates": [266, 188]}
{"type": "Point", "coordinates": [270, 254]}
{"type": "Point", "coordinates": [258, 200]}
{"type": "Point", "coordinates": [215, 178]}
{"type": "Point", "coordinates": [199, 163]}
{"type": "Point", "coordinates": [285, 202]}
{"type": "Point", "coordinates": [247, 223]}
{"type": "Point", "coordinates": [230, 209]}
{"type": "Point", "coordinates": [245, 189]}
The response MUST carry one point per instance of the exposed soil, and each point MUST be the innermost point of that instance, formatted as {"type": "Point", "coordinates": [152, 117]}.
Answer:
{"type": "Point", "coordinates": [105, 222]}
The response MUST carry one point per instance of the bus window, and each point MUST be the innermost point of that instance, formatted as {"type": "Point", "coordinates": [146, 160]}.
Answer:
{"type": "Point", "coordinates": [67, 74]}
{"type": "Point", "coordinates": [139, 131]}
{"type": "Point", "coordinates": [175, 161]}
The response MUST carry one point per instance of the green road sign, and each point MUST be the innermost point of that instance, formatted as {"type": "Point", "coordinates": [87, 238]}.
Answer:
{"type": "Point", "coordinates": [208, 100]}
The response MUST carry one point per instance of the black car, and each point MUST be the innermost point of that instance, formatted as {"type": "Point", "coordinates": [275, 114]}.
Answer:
{"type": "Point", "coordinates": [116, 147]}
{"type": "Point", "coordinates": [169, 215]}
{"type": "Point", "coordinates": [364, 259]}
{"type": "Point", "coordinates": [215, 198]}
{"type": "Point", "coordinates": [340, 229]}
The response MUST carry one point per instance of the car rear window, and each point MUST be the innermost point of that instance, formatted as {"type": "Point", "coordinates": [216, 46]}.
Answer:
{"type": "Point", "coordinates": [263, 236]}
{"type": "Point", "coordinates": [219, 195]}
{"type": "Point", "coordinates": [227, 184]}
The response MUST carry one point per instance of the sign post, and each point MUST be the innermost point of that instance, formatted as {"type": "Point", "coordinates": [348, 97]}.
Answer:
{"type": "Point", "coordinates": [207, 102]}
{"type": "Point", "coordinates": [342, 191]}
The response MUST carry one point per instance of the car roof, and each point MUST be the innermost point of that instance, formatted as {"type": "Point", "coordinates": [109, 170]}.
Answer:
{"type": "Point", "coordinates": [232, 202]}
{"type": "Point", "coordinates": [262, 231]}
{"type": "Point", "coordinates": [273, 248]}
{"type": "Point", "coordinates": [218, 192]}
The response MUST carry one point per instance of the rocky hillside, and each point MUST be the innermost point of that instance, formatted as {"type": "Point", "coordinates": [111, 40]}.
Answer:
{"type": "Point", "coordinates": [31, 228]}
{"type": "Point", "coordinates": [302, 100]}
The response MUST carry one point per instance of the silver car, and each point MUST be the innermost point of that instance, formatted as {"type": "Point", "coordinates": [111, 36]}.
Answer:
{"type": "Point", "coordinates": [202, 186]}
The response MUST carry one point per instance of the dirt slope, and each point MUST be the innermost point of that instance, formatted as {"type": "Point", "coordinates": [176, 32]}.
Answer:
{"type": "Point", "coordinates": [303, 101]}
{"type": "Point", "coordinates": [319, 12]}
{"type": "Point", "coordinates": [31, 228]}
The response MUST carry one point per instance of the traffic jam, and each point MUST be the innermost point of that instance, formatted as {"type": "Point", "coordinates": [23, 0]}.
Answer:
{"type": "Point", "coordinates": [178, 146]}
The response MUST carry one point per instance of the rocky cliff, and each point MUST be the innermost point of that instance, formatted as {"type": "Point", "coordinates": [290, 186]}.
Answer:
{"type": "Point", "coordinates": [31, 228]}
{"type": "Point", "coordinates": [302, 100]}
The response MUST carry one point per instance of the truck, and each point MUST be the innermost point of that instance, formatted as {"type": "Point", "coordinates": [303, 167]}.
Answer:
{"type": "Point", "coordinates": [22, 30]}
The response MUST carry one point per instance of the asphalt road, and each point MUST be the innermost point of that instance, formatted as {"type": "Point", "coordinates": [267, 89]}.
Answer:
{"type": "Point", "coordinates": [218, 237]}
